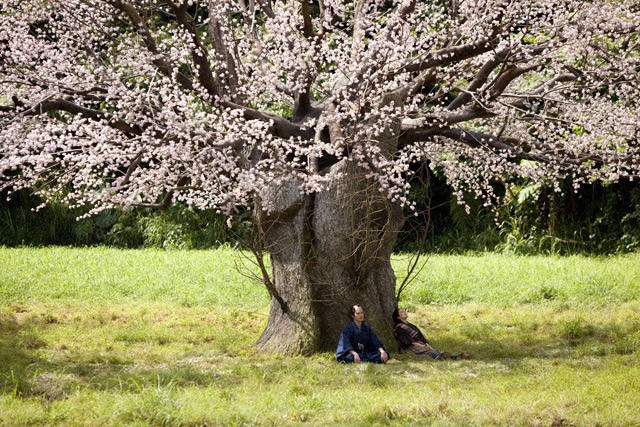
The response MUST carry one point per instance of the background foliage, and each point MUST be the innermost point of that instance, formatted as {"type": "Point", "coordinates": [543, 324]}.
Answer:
{"type": "Point", "coordinates": [532, 219]}
{"type": "Point", "coordinates": [178, 227]}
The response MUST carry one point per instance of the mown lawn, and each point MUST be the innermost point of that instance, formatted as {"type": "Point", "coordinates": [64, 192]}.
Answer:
{"type": "Point", "coordinates": [111, 337]}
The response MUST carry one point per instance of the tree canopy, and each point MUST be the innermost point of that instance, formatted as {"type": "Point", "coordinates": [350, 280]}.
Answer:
{"type": "Point", "coordinates": [143, 102]}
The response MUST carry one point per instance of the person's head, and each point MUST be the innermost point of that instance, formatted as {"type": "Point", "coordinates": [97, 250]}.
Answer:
{"type": "Point", "coordinates": [357, 313]}
{"type": "Point", "coordinates": [399, 315]}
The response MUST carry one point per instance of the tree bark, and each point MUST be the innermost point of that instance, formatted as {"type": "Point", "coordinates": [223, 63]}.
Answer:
{"type": "Point", "coordinates": [330, 250]}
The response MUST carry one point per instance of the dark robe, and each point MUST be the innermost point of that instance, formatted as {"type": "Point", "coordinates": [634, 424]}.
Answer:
{"type": "Point", "coordinates": [411, 340]}
{"type": "Point", "coordinates": [362, 340]}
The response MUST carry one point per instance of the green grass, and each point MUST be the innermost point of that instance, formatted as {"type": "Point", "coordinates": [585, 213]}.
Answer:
{"type": "Point", "coordinates": [100, 275]}
{"type": "Point", "coordinates": [111, 337]}
{"type": "Point", "coordinates": [504, 280]}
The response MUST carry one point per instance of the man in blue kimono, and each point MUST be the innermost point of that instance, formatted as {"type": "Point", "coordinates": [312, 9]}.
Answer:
{"type": "Point", "coordinates": [358, 343]}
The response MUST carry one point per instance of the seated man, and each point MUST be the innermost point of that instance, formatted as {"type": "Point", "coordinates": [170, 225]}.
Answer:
{"type": "Point", "coordinates": [358, 343]}
{"type": "Point", "coordinates": [411, 340]}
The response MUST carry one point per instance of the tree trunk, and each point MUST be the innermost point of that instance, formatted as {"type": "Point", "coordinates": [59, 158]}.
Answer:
{"type": "Point", "coordinates": [329, 251]}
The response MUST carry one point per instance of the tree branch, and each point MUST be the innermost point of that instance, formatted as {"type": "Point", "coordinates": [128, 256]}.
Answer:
{"type": "Point", "coordinates": [540, 91]}
{"type": "Point", "coordinates": [425, 78]}
{"type": "Point", "coordinates": [199, 54]}
{"type": "Point", "coordinates": [60, 104]}
{"type": "Point", "coordinates": [266, 8]}
{"type": "Point", "coordinates": [512, 146]}
{"type": "Point", "coordinates": [302, 104]}
{"type": "Point", "coordinates": [127, 176]}
{"type": "Point", "coordinates": [476, 111]}
{"type": "Point", "coordinates": [480, 79]}
{"type": "Point", "coordinates": [280, 127]}
{"type": "Point", "coordinates": [307, 30]}
{"type": "Point", "coordinates": [48, 105]}
{"type": "Point", "coordinates": [477, 139]}
{"type": "Point", "coordinates": [167, 199]}
{"type": "Point", "coordinates": [450, 55]}
{"type": "Point", "coordinates": [505, 78]}
{"type": "Point", "coordinates": [159, 61]}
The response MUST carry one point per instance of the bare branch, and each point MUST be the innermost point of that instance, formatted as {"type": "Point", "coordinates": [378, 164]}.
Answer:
{"type": "Point", "coordinates": [257, 249]}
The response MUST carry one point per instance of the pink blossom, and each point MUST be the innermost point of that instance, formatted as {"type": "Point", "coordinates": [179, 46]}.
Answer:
{"type": "Point", "coordinates": [118, 107]}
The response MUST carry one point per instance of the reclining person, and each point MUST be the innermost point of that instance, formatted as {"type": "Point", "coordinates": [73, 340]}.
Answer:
{"type": "Point", "coordinates": [411, 339]}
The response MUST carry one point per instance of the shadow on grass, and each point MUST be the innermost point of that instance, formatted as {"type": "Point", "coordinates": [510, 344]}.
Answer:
{"type": "Point", "coordinates": [593, 343]}
{"type": "Point", "coordinates": [567, 338]}
{"type": "Point", "coordinates": [18, 347]}
{"type": "Point", "coordinates": [29, 366]}
{"type": "Point", "coordinates": [24, 368]}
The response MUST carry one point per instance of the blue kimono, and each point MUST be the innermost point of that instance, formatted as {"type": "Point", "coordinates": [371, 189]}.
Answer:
{"type": "Point", "coordinates": [361, 340]}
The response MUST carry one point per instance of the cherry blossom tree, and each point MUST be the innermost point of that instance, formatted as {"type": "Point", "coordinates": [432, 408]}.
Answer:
{"type": "Point", "coordinates": [309, 114]}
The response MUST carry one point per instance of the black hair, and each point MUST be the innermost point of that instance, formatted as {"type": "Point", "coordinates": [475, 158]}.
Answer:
{"type": "Point", "coordinates": [353, 309]}
{"type": "Point", "coordinates": [395, 314]}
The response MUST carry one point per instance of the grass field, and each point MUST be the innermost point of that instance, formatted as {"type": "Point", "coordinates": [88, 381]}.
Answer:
{"type": "Point", "coordinates": [103, 337]}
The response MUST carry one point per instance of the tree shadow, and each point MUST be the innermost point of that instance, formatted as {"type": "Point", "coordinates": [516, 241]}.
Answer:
{"type": "Point", "coordinates": [568, 339]}
{"type": "Point", "coordinates": [18, 351]}
{"type": "Point", "coordinates": [562, 341]}
{"type": "Point", "coordinates": [30, 366]}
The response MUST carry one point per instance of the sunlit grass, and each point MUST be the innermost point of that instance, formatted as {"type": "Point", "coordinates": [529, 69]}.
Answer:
{"type": "Point", "coordinates": [190, 278]}
{"type": "Point", "coordinates": [504, 280]}
{"type": "Point", "coordinates": [103, 337]}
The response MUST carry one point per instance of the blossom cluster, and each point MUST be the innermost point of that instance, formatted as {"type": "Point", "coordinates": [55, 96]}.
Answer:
{"type": "Point", "coordinates": [215, 103]}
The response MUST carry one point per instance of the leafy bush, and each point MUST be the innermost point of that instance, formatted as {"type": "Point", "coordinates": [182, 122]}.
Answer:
{"type": "Point", "coordinates": [179, 227]}
{"type": "Point", "coordinates": [532, 218]}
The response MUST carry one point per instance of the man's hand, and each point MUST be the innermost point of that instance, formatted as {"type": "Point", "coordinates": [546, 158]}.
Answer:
{"type": "Point", "coordinates": [356, 357]}
{"type": "Point", "coordinates": [383, 355]}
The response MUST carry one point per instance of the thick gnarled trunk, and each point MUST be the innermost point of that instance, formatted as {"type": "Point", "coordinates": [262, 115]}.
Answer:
{"type": "Point", "coordinates": [329, 251]}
